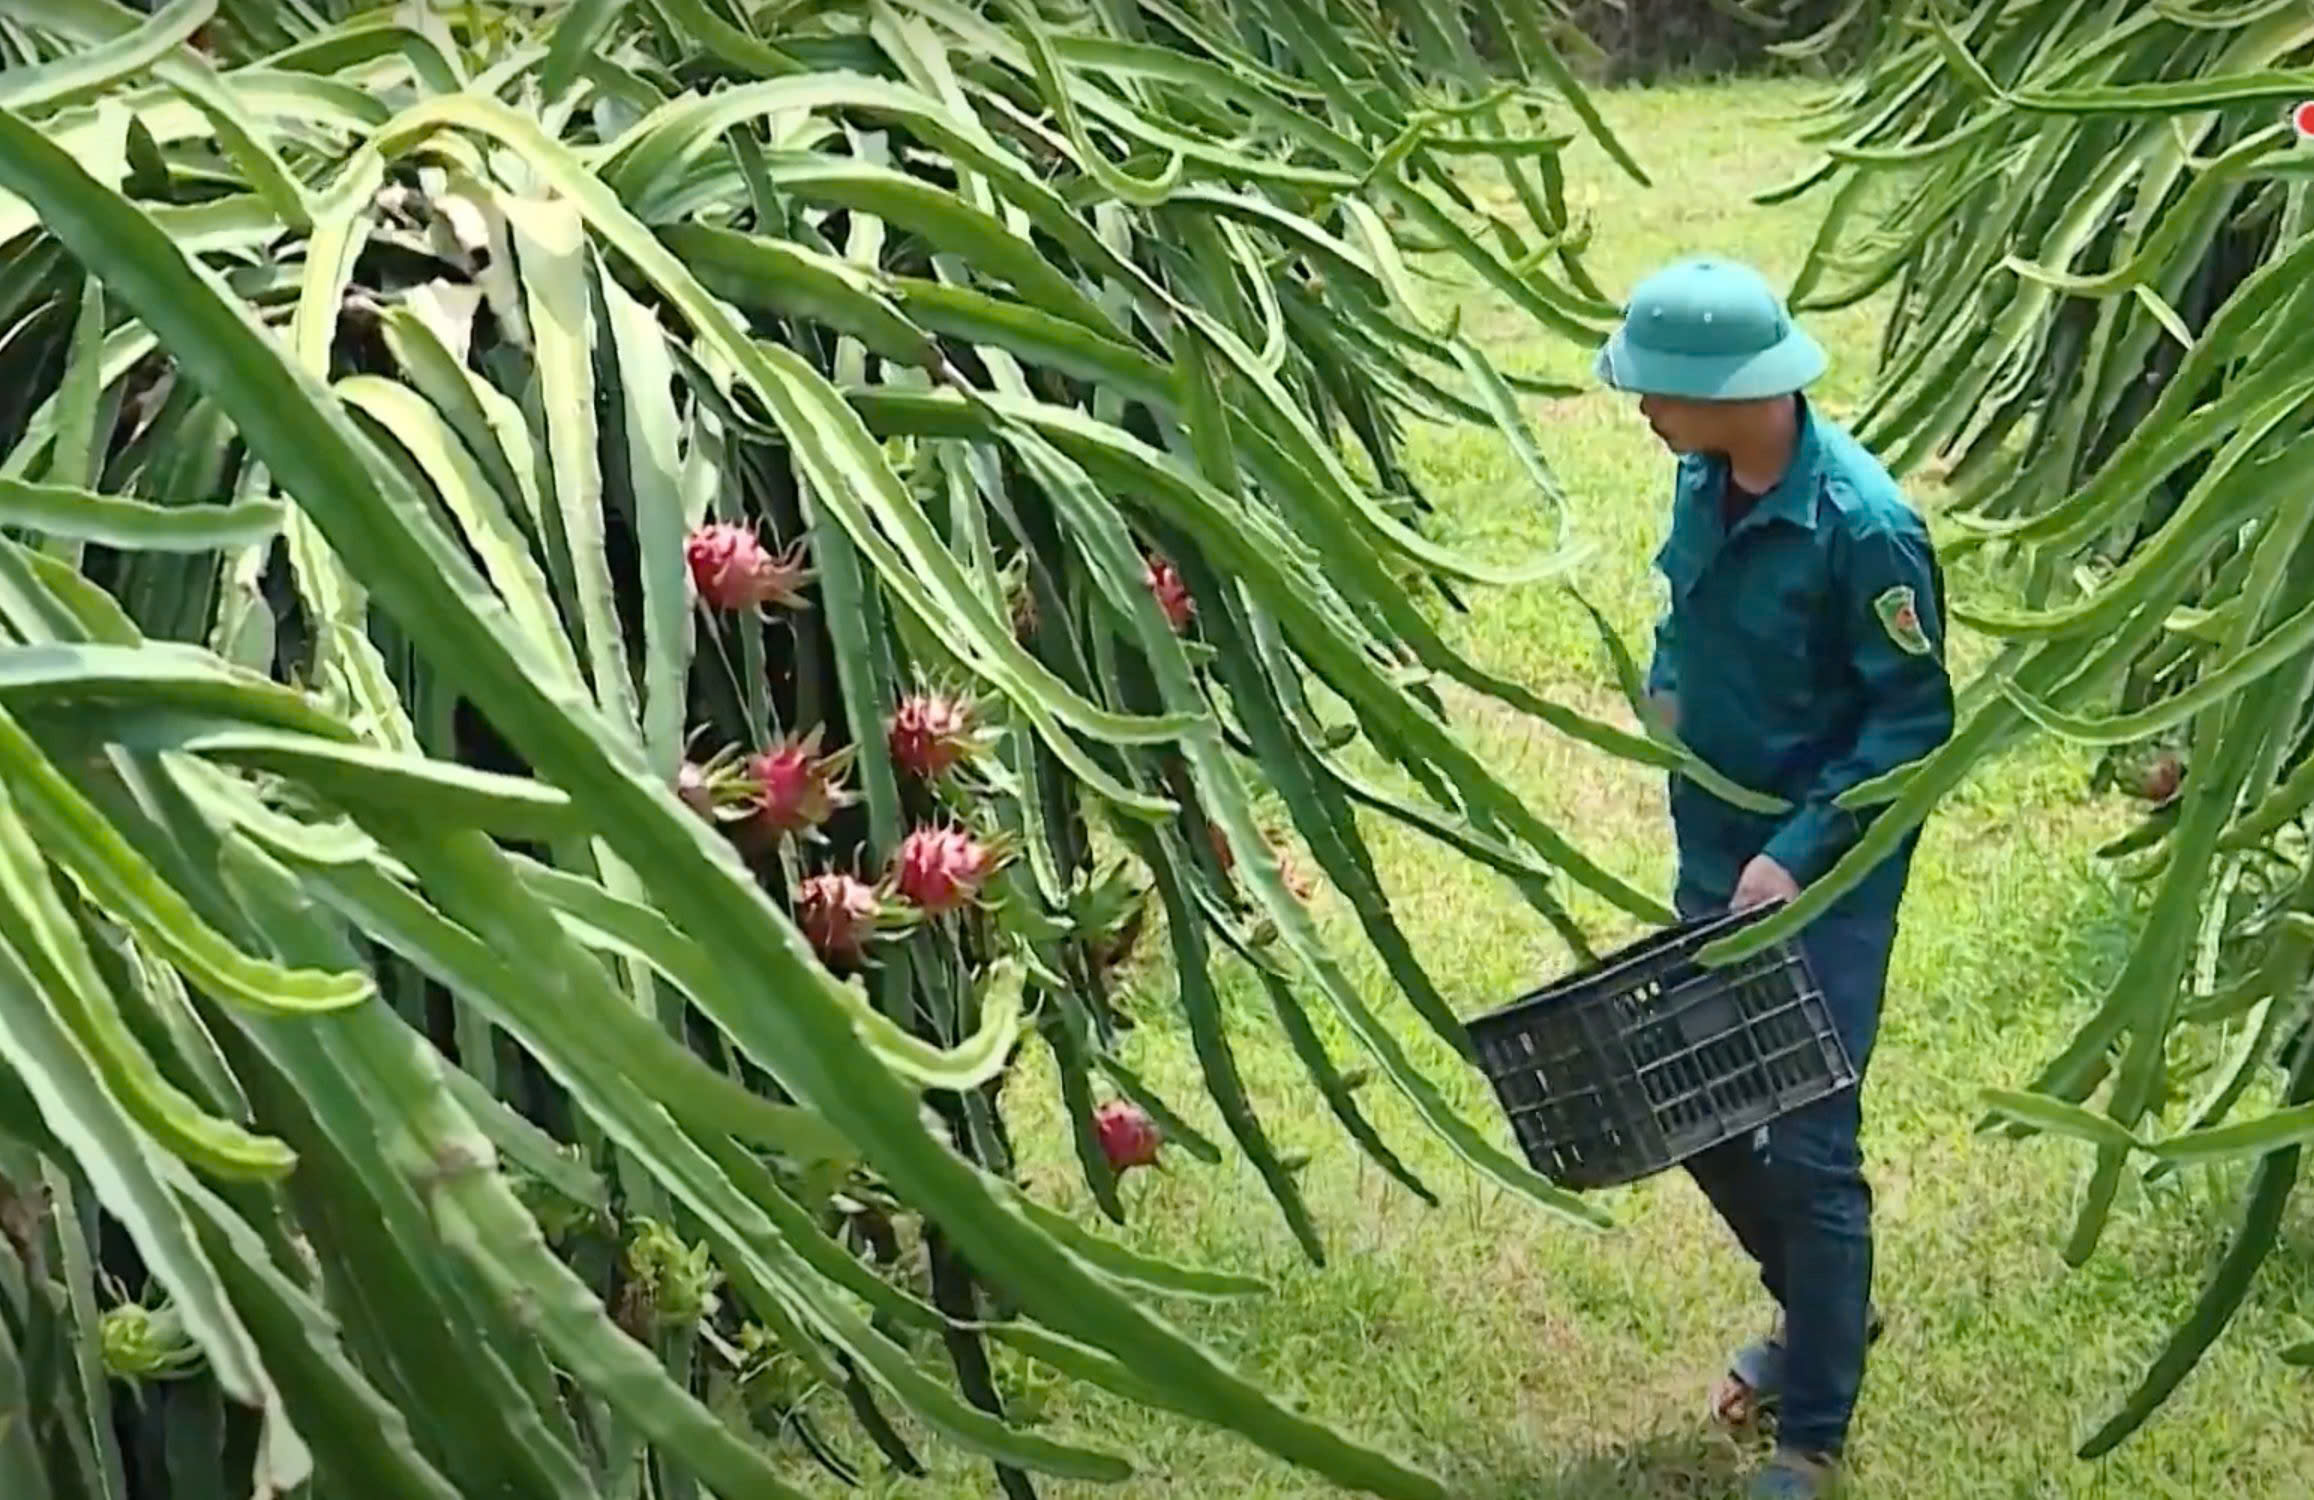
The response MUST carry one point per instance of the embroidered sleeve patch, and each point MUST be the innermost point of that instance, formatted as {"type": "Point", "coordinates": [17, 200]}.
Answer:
{"type": "Point", "coordinates": [1900, 616]}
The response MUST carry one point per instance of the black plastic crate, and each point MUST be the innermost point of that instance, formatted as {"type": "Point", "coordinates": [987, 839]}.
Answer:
{"type": "Point", "coordinates": [1648, 1057]}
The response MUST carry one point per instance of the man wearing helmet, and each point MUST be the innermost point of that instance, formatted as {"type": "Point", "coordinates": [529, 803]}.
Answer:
{"type": "Point", "coordinates": [1802, 653]}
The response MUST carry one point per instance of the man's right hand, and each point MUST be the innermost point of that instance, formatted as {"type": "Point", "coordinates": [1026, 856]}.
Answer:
{"type": "Point", "coordinates": [1666, 707]}
{"type": "Point", "coordinates": [1763, 881]}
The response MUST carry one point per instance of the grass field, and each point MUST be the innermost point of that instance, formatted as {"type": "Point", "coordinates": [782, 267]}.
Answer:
{"type": "Point", "coordinates": [1523, 1358]}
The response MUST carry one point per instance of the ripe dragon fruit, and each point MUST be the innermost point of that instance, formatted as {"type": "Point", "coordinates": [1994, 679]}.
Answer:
{"type": "Point", "coordinates": [838, 914]}
{"type": "Point", "coordinates": [798, 788]}
{"type": "Point", "coordinates": [2160, 780]}
{"type": "Point", "coordinates": [1164, 581]}
{"type": "Point", "coordinates": [931, 732]}
{"type": "Point", "coordinates": [1129, 1138]}
{"type": "Point", "coordinates": [732, 570]}
{"type": "Point", "coordinates": [942, 869]}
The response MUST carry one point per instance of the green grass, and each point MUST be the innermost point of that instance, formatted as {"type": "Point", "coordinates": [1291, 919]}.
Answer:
{"type": "Point", "coordinates": [1521, 1357]}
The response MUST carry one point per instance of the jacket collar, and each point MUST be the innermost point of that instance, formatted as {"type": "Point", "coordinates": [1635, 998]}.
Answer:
{"type": "Point", "coordinates": [1697, 531]}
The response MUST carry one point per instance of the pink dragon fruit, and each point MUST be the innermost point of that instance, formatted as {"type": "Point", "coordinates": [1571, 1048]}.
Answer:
{"type": "Point", "coordinates": [1164, 580]}
{"type": "Point", "coordinates": [798, 788]}
{"type": "Point", "coordinates": [931, 732]}
{"type": "Point", "coordinates": [1129, 1138]}
{"type": "Point", "coordinates": [2160, 780]}
{"type": "Point", "coordinates": [732, 570]}
{"type": "Point", "coordinates": [838, 914]}
{"type": "Point", "coordinates": [942, 869]}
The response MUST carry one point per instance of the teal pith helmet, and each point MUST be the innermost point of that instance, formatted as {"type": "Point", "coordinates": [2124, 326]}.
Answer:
{"type": "Point", "coordinates": [1708, 330]}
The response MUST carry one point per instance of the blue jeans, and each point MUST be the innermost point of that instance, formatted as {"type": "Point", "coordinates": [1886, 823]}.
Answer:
{"type": "Point", "coordinates": [1802, 1208]}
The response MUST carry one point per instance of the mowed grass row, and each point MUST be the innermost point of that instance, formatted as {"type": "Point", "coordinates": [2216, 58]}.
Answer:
{"type": "Point", "coordinates": [1525, 1358]}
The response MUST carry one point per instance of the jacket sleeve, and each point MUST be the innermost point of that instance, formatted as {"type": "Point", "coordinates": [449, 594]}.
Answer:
{"type": "Point", "coordinates": [1663, 668]}
{"type": "Point", "coordinates": [1662, 676]}
{"type": "Point", "coordinates": [1892, 601]}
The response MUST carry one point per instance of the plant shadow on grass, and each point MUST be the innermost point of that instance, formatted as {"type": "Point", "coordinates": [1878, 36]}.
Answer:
{"type": "Point", "coordinates": [1692, 1465]}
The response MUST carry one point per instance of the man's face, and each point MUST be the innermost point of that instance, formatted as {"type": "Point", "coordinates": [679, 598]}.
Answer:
{"type": "Point", "coordinates": [1687, 426]}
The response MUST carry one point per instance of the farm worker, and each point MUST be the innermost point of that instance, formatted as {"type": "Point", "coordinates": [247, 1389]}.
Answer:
{"type": "Point", "coordinates": [1802, 652]}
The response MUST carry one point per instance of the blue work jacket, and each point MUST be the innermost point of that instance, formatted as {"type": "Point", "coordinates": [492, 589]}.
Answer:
{"type": "Point", "coordinates": [1803, 650]}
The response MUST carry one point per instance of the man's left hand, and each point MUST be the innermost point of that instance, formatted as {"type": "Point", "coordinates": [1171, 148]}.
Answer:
{"type": "Point", "coordinates": [1764, 881]}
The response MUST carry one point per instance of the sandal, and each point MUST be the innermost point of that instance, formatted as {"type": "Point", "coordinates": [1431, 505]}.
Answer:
{"type": "Point", "coordinates": [1755, 1375]}
{"type": "Point", "coordinates": [1754, 1378]}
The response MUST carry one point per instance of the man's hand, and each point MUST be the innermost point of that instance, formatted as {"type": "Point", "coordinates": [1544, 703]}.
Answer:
{"type": "Point", "coordinates": [1762, 882]}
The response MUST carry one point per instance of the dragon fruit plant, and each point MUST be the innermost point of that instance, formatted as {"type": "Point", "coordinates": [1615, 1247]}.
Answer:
{"type": "Point", "coordinates": [704, 570]}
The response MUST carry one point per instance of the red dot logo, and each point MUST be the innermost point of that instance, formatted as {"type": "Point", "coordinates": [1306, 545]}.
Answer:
{"type": "Point", "coordinates": [2303, 118]}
